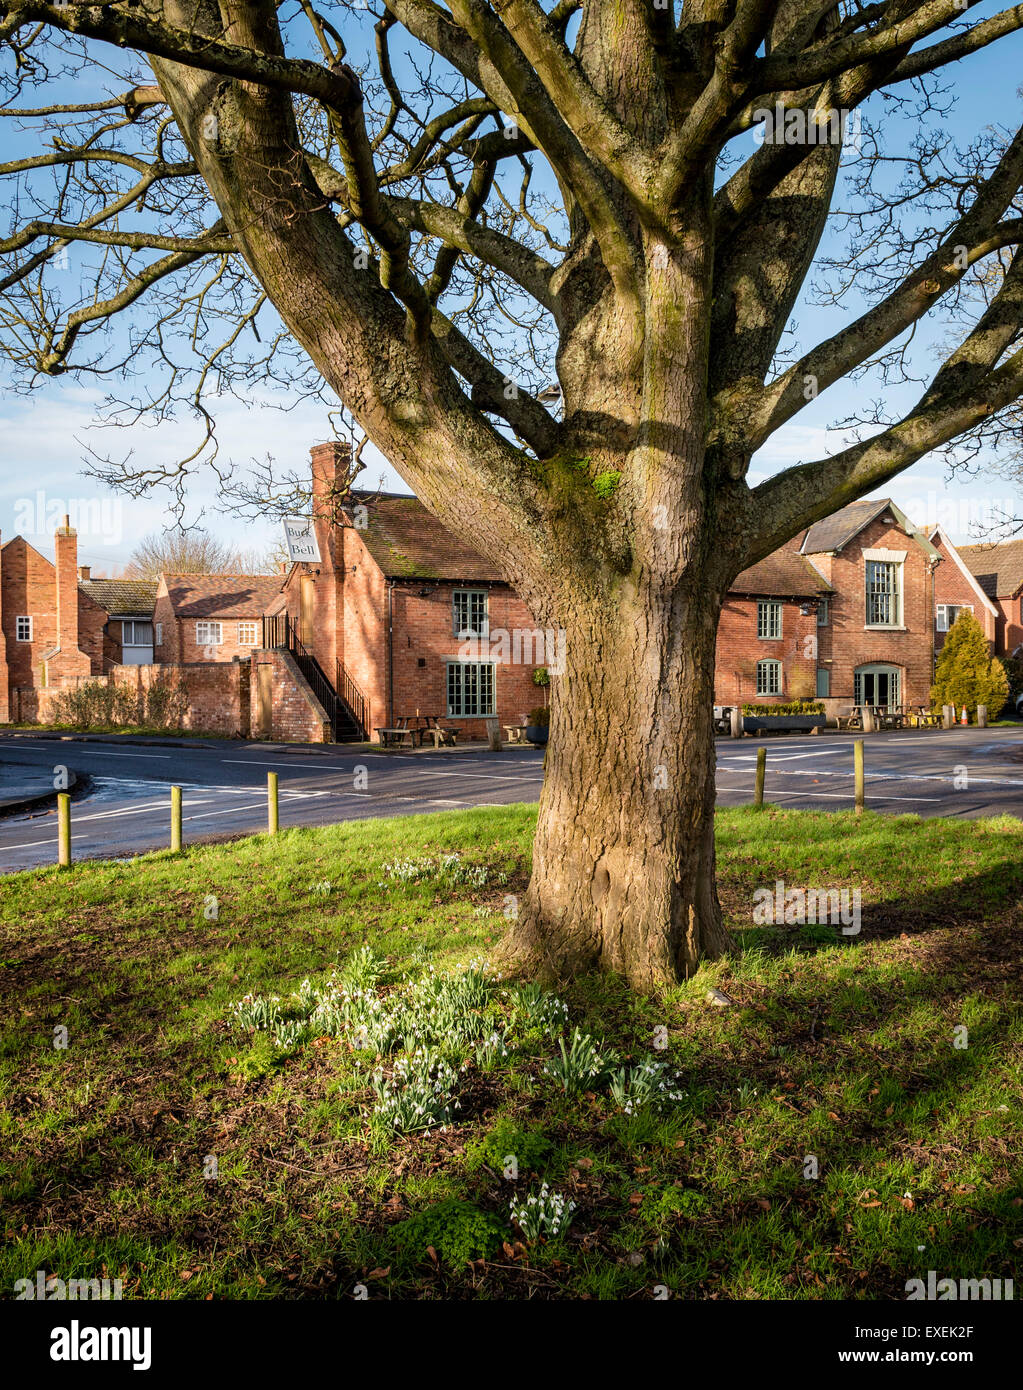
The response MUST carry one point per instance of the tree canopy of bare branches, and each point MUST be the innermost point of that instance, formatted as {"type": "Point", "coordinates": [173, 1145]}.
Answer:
{"type": "Point", "coordinates": [451, 207]}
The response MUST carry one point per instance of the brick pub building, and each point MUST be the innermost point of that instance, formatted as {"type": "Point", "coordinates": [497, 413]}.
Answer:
{"type": "Point", "coordinates": [399, 615]}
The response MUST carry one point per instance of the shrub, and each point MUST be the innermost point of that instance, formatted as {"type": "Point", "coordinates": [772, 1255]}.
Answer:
{"type": "Point", "coordinates": [528, 1147]}
{"type": "Point", "coordinates": [966, 673]}
{"type": "Point", "coordinates": [457, 1231]}
{"type": "Point", "coordinates": [541, 716]}
{"type": "Point", "coordinates": [105, 704]}
{"type": "Point", "coordinates": [787, 707]}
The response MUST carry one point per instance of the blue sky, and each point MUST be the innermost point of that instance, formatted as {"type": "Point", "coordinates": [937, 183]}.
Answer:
{"type": "Point", "coordinates": [44, 437]}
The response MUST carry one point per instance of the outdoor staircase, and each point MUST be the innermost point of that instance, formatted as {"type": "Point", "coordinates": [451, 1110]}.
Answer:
{"type": "Point", "coordinates": [345, 705]}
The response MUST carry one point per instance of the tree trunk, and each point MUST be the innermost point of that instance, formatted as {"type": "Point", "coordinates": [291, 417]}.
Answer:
{"type": "Point", "coordinates": [623, 860]}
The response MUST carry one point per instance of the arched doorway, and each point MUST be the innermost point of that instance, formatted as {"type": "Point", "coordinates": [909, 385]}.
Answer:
{"type": "Point", "coordinates": [877, 684]}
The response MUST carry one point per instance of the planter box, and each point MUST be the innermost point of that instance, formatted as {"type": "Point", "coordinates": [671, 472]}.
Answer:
{"type": "Point", "coordinates": [537, 734]}
{"type": "Point", "coordinates": [796, 723]}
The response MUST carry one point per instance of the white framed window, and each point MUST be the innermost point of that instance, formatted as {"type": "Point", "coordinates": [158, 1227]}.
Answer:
{"type": "Point", "coordinates": [470, 689]}
{"type": "Point", "coordinates": [469, 613]}
{"type": "Point", "coordinates": [23, 629]}
{"type": "Point", "coordinates": [823, 612]}
{"type": "Point", "coordinates": [248, 634]}
{"type": "Point", "coordinates": [158, 627]}
{"type": "Point", "coordinates": [823, 683]}
{"type": "Point", "coordinates": [209, 634]}
{"type": "Point", "coordinates": [136, 634]}
{"type": "Point", "coordinates": [884, 593]}
{"type": "Point", "coordinates": [947, 614]}
{"type": "Point", "coordinates": [768, 620]}
{"type": "Point", "coordinates": [768, 677]}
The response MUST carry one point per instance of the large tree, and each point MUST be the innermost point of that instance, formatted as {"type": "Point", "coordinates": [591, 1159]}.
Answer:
{"type": "Point", "coordinates": [662, 247]}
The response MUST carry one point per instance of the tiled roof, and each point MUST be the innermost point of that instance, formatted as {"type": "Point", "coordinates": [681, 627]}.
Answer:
{"type": "Point", "coordinates": [408, 542]}
{"type": "Point", "coordinates": [998, 569]}
{"type": "Point", "coordinates": [222, 595]}
{"type": "Point", "coordinates": [838, 529]}
{"type": "Point", "coordinates": [131, 597]}
{"type": "Point", "coordinates": [781, 575]}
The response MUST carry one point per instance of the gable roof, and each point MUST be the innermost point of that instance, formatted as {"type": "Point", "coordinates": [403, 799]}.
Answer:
{"type": "Point", "coordinates": [835, 532]}
{"type": "Point", "coordinates": [121, 597]}
{"type": "Point", "coordinates": [408, 542]}
{"type": "Point", "coordinates": [784, 574]}
{"type": "Point", "coordinates": [955, 555]}
{"type": "Point", "coordinates": [221, 595]}
{"type": "Point", "coordinates": [838, 529]}
{"type": "Point", "coordinates": [998, 569]}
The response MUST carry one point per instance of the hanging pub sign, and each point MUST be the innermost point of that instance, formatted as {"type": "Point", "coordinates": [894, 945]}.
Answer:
{"type": "Point", "coordinates": [300, 539]}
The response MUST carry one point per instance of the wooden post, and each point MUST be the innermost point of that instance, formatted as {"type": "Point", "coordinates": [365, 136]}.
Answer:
{"type": "Point", "coordinates": [736, 721]}
{"type": "Point", "coordinates": [175, 820]}
{"type": "Point", "coordinates": [868, 719]}
{"type": "Point", "coordinates": [858, 765]}
{"type": "Point", "coordinates": [494, 735]}
{"type": "Point", "coordinates": [947, 716]}
{"type": "Point", "coordinates": [982, 716]}
{"type": "Point", "coordinates": [64, 830]}
{"type": "Point", "coordinates": [273, 819]}
{"type": "Point", "coordinates": [758, 798]}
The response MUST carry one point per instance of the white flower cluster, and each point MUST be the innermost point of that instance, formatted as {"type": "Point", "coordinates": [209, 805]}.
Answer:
{"type": "Point", "coordinates": [449, 867]}
{"type": "Point", "coordinates": [543, 1213]}
{"type": "Point", "coordinates": [418, 1095]}
{"type": "Point", "coordinates": [650, 1083]}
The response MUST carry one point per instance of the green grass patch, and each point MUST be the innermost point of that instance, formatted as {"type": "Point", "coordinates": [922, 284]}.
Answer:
{"type": "Point", "coordinates": [209, 1063]}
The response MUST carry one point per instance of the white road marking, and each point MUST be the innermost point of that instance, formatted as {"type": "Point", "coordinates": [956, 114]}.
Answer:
{"type": "Point", "coordinates": [426, 771]}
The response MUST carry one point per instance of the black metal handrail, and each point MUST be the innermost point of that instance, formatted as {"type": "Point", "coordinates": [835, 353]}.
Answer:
{"type": "Point", "coordinates": [352, 696]}
{"type": "Point", "coordinates": [343, 698]}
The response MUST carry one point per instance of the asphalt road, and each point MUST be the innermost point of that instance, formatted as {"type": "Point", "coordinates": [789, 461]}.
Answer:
{"type": "Point", "coordinates": [123, 806]}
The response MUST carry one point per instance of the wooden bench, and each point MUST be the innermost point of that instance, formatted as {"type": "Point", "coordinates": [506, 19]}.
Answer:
{"type": "Point", "coordinates": [396, 737]}
{"type": "Point", "coordinates": [441, 737]}
{"type": "Point", "coordinates": [515, 733]}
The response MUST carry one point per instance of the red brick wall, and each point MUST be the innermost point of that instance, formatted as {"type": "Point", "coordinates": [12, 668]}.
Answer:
{"type": "Point", "coordinates": [952, 586]}
{"type": "Point", "coordinates": [297, 715]}
{"type": "Point", "coordinates": [739, 649]}
{"type": "Point", "coordinates": [29, 589]}
{"type": "Point", "coordinates": [853, 644]}
{"type": "Point", "coordinates": [218, 694]}
{"type": "Point", "coordinates": [1009, 625]}
{"type": "Point", "coordinates": [5, 707]}
{"type": "Point", "coordinates": [364, 608]}
{"type": "Point", "coordinates": [424, 631]}
{"type": "Point", "coordinates": [179, 638]}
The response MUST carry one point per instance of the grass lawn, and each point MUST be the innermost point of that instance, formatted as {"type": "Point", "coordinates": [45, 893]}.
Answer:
{"type": "Point", "coordinates": [841, 1049]}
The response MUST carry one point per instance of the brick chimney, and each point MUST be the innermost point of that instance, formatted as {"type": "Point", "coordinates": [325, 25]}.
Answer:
{"type": "Point", "coordinates": [331, 467]}
{"type": "Point", "coordinates": [67, 660]}
{"type": "Point", "coordinates": [331, 464]}
{"type": "Point", "coordinates": [84, 572]}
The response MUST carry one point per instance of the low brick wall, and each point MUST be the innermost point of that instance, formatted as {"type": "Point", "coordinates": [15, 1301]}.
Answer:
{"type": "Point", "coordinates": [218, 694]}
{"type": "Point", "coordinates": [294, 714]}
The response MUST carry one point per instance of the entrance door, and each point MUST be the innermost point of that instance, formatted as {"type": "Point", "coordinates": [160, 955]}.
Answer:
{"type": "Point", "coordinates": [307, 611]}
{"type": "Point", "coordinates": [877, 685]}
{"type": "Point", "coordinates": [264, 700]}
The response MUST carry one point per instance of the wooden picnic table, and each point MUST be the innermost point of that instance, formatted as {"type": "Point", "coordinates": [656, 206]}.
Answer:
{"type": "Point", "coordinates": [420, 727]}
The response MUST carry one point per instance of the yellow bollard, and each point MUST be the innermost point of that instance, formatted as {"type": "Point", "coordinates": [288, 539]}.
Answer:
{"type": "Point", "coordinates": [758, 799]}
{"type": "Point", "coordinates": [176, 820]}
{"type": "Point", "coordinates": [858, 765]}
{"type": "Point", "coordinates": [64, 830]}
{"type": "Point", "coordinates": [273, 820]}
